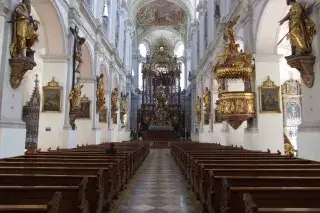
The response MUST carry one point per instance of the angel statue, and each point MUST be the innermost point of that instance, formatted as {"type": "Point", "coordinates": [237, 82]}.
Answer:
{"type": "Point", "coordinates": [100, 89]}
{"type": "Point", "coordinates": [24, 30]}
{"type": "Point", "coordinates": [75, 96]}
{"type": "Point", "coordinates": [301, 28]}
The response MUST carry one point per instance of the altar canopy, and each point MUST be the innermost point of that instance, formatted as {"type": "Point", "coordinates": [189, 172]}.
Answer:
{"type": "Point", "coordinates": [161, 107]}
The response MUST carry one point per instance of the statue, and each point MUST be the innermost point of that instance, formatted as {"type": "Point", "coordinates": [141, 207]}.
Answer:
{"type": "Point", "coordinates": [75, 104]}
{"type": "Point", "coordinates": [24, 36]}
{"type": "Point", "coordinates": [100, 92]}
{"type": "Point", "coordinates": [288, 147]}
{"type": "Point", "coordinates": [301, 28]}
{"type": "Point", "coordinates": [198, 109]}
{"type": "Point", "coordinates": [123, 109]}
{"type": "Point", "coordinates": [206, 105]}
{"type": "Point", "coordinates": [114, 104]}
{"type": "Point", "coordinates": [301, 33]}
{"type": "Point", "coordinates": [75, 96]}
{"type": "Point", "coordinates": [78, 42]}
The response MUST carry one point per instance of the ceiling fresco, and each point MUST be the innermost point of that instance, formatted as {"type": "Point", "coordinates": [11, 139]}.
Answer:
{"type": "Point", "coordinates": [161, 13]}
{"type": "Point", "coordinates": [154, 18]}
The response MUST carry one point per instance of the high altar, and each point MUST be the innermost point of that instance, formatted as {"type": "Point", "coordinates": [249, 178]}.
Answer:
{"type": "Point", "coordinates": [161, 107]}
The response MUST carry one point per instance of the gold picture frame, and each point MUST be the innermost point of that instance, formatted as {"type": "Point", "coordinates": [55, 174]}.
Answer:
{"type": "Point", "coordinates": [103, 114]}
{"type": "Point", "coordinates": [52, 96]}
{"type": "Point", "coordinates": [269, 97]}
{"type": "Point", "coordinates": [85, 108]}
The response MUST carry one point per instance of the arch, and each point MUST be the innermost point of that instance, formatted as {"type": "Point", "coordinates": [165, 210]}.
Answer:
{"type": "Point", "coordinates": [267, 34]}
{"type": "Point", "coordinates": [152, 29]}
{"type": "Point", "coordinates": [86, 70]}
{"type": "Point", "coordinates": [51, 23]}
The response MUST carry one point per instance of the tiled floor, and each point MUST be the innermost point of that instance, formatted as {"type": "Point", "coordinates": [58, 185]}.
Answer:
{"type": "Point", "coordinates": [157, 187]}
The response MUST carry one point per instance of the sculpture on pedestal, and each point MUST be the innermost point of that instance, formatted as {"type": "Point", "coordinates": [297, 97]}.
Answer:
{"type": "Point", "coordinates": [206, 105]}
{"type": "Point", "coordinates": [75, 103]}
{"type": "Point", "coordinates": [198, 109]}
{"type": "Point", "coordinates": [75, 94]}
{"type": "Point", "coordinates": [101, 100]}
{"type": "Point", "coordinates": [123, 110]}
{"type": "Point", "coordinates": [114, 105]}
{"type": "Point", "coordinates": [24, 36]}
{"type": "Point", "coordinates": [301, 33]}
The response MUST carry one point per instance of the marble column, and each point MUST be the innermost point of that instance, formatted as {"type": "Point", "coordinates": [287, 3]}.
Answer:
{"type": "Point", "coordinates": [194, 47]}
{"type": "Point", "coordinates": [119, 100]}
{"type": "Point", "coordinates": [121, 33]}
{"type": "Point", "coordinates": [211, 121]}
{"type": "Point", "coordinates": [128, 51]}
{"type": "Point", "coordinates": [112, 22]}
{"type": "Point", "coordinates": [309, 130]}
{"type": "Point", "coordinates": [202, 26]}
{"type": "Point", "coordinates": [211, 22]}
{"type": "Point", "coordinates": [128, 126]}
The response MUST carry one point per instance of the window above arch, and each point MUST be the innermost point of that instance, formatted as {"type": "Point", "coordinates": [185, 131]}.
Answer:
{"type": "Point", "coordinates": [143, 50]}
{"type": "Point", "coordinates": [179, 50]}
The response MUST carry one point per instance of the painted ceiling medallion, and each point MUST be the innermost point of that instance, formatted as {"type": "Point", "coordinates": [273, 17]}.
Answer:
{"type": "Point", "coordinates": [161, 13]}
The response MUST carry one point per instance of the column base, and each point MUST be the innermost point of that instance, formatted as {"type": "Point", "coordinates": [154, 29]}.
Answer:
{"type": "Point", "coordinates": [12, 139]}
{"type": "Point", "coordinates": [308, 142]}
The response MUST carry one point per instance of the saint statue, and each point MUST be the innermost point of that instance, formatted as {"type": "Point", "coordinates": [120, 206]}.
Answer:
{"type": "Point", "coordinates": [206, 100]}
{"type": "Point", "coordinates": [24, 30]}
{"type": "Point", "coordinates": [100, 89]}
{"type": "Point", "coordinates": [301, 28]}
{"type": "Point", "coordinates": [114, 100]}
{"type": "Point", "coordinates": [75, 96]}
{"type": "Point", "coordinates": [198, 108]}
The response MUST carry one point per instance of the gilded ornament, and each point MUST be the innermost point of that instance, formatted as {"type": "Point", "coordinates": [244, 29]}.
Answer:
{"type": "Point", "coordinates": [101, 100]}
{"type": "Point", "coordinates": [24, 37]}
{"type": "Point", "coordinates": [75, 103]}
{"type": "Point", "coordinates": [114, 104]}
{"type": "Point", "coordinates": [288, 147]}
{"type": "Point", "coordinates": [301, 33]}
{"type": "Point", "coordinates": [206, 105]}
{"type": "Point", "coordinates": [198, 109]}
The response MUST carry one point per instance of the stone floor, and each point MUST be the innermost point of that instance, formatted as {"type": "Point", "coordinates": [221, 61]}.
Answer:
{"type": "Point", "coordinates": [157, 187]}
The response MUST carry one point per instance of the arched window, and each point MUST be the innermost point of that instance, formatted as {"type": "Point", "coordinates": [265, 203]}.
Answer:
{"type": "Point", "coordinates": [143, 50]}
{"type": "Point", "coordinates": [179, 50]}
{"type": "Point", "coordinates": [140, 76]}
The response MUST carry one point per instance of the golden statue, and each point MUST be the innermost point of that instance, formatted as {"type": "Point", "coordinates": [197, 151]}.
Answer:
{"type": "Point", "coordinates": [24, 30]}
{"type": "Point", "coordinates": [288, 147]}
{"type": "Point", "coordinates": [301, 28]}
{"type": "Point", "coordinates": [114, 100]}
{"type": "Point", "coordinates": [206, 100]}
{"type": "Point", "coordinates": [198, 108]}
{"type": "Point", "coordinates": [75, 96]}
{"type": "Point", "coordinates": [100, 88]}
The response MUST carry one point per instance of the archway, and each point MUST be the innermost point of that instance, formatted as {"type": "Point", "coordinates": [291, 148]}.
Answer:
{"type": "Point", "coordinates": [47, 49]}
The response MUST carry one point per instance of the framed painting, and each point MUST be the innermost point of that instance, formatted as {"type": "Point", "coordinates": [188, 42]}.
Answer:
{"type": "Point", "coordinates": [85, 107]}
{"type": "Point", "coordinates": [52, 94]}
{"type": "Point", "coordinates": [269, 97]}
{"type": "Point", "coordinates": [103, 115]}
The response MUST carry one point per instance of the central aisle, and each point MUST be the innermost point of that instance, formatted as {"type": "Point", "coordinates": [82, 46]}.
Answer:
{"type": "Point", "coordinates": [157, 187]}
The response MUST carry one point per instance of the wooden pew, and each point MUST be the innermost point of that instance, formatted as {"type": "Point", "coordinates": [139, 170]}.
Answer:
{"type": "Point", "coordinates": [52, 206]}
{"type": "Point", "coordinates": [94, 186]}
{"type": "Point", "coordinates": [74, 198]}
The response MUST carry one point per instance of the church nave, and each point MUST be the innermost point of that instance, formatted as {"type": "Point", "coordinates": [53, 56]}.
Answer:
{"type": "Point", "coordinates": [157, 187]}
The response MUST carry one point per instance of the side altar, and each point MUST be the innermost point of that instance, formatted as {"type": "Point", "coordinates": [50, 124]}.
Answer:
{"type": "Point", "coordinates": [161, 107]}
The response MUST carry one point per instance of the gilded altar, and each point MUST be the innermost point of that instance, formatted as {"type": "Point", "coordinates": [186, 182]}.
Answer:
{"type": "Point", "coordinates": [161, 90]}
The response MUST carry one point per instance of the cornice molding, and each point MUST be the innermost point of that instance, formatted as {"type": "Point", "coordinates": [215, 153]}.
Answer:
{"type": "Point", "coordinates": [55, 58]}
{"type": "Point", "coordinates": [267, 57]}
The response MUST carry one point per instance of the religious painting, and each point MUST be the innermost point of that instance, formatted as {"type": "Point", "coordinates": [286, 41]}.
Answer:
{"type": "Point", "coordinates": [161, 13]}
{"type": "Point", "coordinates": [269, 97]}
{"type": "Point", "coordinates": [85, 107]}
{"type": "Point", "coordinates": [103, 115]}
{"type": "Point", "coordinates": [52, 93]}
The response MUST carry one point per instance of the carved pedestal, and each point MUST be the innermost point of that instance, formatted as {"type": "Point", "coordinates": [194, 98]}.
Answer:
{"type": "Point", "coordinates": [236, 107]}
{"type": "Point", "coordinates": [19, 67]}
{"type": "Point", "coordinates": [73, 115]}
{"type": "Point", "coordinates": [304, 64]}
{"type": "Point", "coordinates": [99, 105]}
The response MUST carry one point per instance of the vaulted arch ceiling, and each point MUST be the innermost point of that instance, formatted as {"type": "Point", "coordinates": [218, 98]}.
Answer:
{"type": "Point", "coordinates": [162, 18]}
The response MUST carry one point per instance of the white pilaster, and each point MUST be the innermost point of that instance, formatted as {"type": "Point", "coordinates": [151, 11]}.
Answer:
{"type": "Point", "coordinates": [265, 137]}
{"type": "Point", "coordinates": [121, 33]}
{"type": "Point", "coordinates": [112, 22]}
